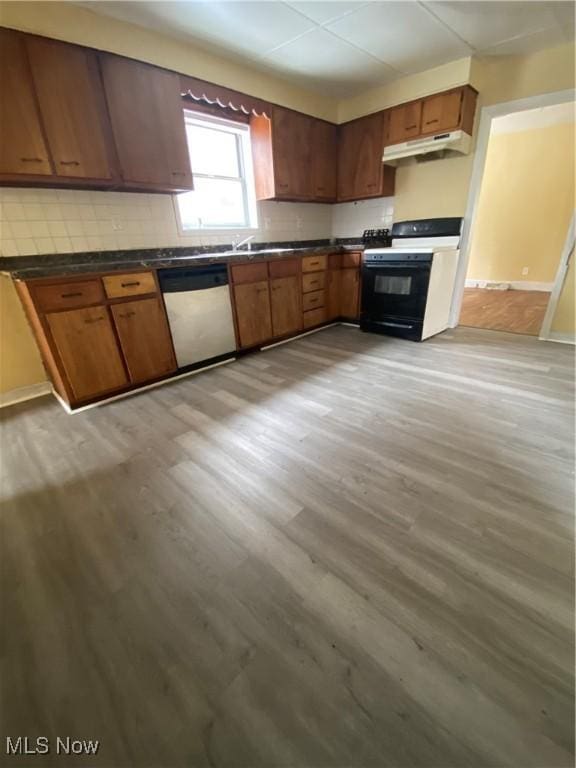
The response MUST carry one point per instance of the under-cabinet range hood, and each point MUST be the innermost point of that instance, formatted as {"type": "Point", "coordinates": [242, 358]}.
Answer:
{"type": "Point", "coordinates": [455, 141]}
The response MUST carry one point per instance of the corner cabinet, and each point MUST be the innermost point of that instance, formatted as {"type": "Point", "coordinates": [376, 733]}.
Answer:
{"type": "Point", "coordinates": [95, 341]}
{"type": "Point", "coordinates": [147, 117]}
{"type": "Point", "coordinates": [294, 156]}
{"type": "Point", "coordinates": [361, 173]}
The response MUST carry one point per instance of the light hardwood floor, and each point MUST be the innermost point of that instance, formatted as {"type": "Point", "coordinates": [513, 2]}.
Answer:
{"type": "Point", "coordinates": [348, 551]}
{"type": "Point", "coordinates": [514, 311]}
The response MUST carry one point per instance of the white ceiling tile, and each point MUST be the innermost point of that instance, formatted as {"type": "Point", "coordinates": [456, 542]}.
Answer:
{"type": "Point", "coordinates": [321, 12]}
{"type": "Point", "coordinates": [404, 35]}
{"type": "Point", "coordinates": [248, 27]}
{"type": "Point", "coordinates": [318, 55]}
{"type": "Point", "coordinates": [485, 24]}
{"type": "Point", "coordinates": [543, 38]}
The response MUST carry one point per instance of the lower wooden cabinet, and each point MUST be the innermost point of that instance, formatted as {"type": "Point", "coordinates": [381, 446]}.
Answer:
{"type": "Point", "coordinates": [86, 344]}
{"type": "Point", "coordinates": [285, 305]}
{"type": "Point", "coordinates": [349, 293]}
{"type": "Point", "coordinates": [253, 313]}
{"type": "Point", "coordinates": [333, 294]}
{"type": "Point", "coordinates": [145, 339]}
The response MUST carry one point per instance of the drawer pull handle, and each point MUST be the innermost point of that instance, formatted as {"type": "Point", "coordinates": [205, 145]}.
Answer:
{"type": "Point", "coordinates": [429, 122]}
{"type": "Point", "coordinates": [93, 319]}
{"type": "Point", "coordinates": [410, 127]}
{"type": "Point", "coordinates": [69, 162]}
{"type": "Point", "coordinates": [127, 314]}
{"type": "Point", "coordinates": [31, 160]}
{"type": "Point", "coordinates": [129, 285]}
{"type": "Point", "coordinates": [178, 173]}
{"type": "Point", "coordinates": [314, 282]}
{"type": "Point", "coordinates": [71, 295]}
{"type": "Point", "coordinates": [312, 301]}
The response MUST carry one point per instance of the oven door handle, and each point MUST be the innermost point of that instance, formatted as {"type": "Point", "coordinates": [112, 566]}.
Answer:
{"type": "Point", "coordinates": [388, 265]}
{"type": "Point", "coordinates": [395, 325]}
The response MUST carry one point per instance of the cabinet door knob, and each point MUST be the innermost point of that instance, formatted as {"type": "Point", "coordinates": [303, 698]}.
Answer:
{"type": "Point", "coordinates": [94, 319]}
{"type": "Point", "coordinates": [31, 160]}
{"type": "Point", "coordinates": [126, 314]}
{"type": "Point", "coordinates": [69, 162]}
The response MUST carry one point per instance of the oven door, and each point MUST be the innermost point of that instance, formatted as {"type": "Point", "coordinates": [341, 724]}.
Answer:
{"type": "Point", "coordinates": [394, 297]}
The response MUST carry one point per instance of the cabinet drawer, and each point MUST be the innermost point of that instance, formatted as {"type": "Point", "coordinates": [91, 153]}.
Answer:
{"type": "Point", "coordinates": [249, 273]}
{"type": "Point", "coordinates": [313, 300]}
{"type": "Point", "coordinates": [314, 281]}
{"type": "Point", "coordinates": [118, 286]}
{"type": "Point", "coordinates": [283, 268]}
{"type": "Point", "coordinates": [314, 263]}
{"type": "Point", "coordinates": [351, 260]}
{"type": "Point", "coordinates": [314, 317]}
{"type": "Point", "coordinates": [68, 295]}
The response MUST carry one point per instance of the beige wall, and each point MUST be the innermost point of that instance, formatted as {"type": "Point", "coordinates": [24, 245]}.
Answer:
{"type": "Point", "coordinates": [564, 321]}
{"type": "Point", "coordinates": [525, 206]}
{"type": "Point", "coordinates": [66, 21]}
{"type": "Point", "coordinates": [20, 364]}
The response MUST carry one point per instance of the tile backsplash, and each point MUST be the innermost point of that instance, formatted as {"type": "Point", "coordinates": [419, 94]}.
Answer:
{"type": "Point", "coordinates": [43, 221]}
{"type": "Point", "coordinates": [351, 219]}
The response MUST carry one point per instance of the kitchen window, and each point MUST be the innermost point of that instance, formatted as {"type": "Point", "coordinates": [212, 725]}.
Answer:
{"type": "Point", "coordinates": [221, 158]}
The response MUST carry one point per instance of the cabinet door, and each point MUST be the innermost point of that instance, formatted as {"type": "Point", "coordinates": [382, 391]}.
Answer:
{"type": "Point", "coordinates": [333, 294]}
{"type": "Point", "coordinates": [441, 112]}
{"type": "Point", "coordinates": [147, 122]}
{"type": "Point", "coordinates": [291, 138]}
{"type": "Point", "coordinates": [86, 344]}
{"type": "Point", "coordinates": [404, 122]}
{"type": "Point", "coordinates": [286, 307]}
{"type": "Point", "coordinates": [324, 160]}
{"type": "Point", "coordinates": [253, 316]}
{"type": "Point", "coordinates": [22, 146]}
{"type": "Point", "coordinates": [360, 168]}
{"type": "Point", "coordinates": [349, 292]}
{"type": "Point", "coordinates": [145, 339]}
{"type": "Point", "coordinates": [72, 104]}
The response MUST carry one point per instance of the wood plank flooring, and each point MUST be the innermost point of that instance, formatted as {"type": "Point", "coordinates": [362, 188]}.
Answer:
{"type": "Point", "coordinates": [513, 311]}
{"type": "Point", "coordinates": [350, 550]}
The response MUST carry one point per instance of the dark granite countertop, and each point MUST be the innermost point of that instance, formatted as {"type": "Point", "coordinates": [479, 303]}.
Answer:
{"type": "Point", "coordinates": [53, 265]}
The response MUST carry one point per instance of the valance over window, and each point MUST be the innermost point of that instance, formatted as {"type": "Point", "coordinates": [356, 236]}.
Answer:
{"type": "Point", "coordinates": [208, 93]}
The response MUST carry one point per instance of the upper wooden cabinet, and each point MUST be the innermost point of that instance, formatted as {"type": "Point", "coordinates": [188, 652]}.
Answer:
{"type": "Point", "coordinates": [148, 124]}
{"type": "Point", "coordinates": [23, 147]}
{"type": "Point", "coordinates": [404, 122]}
{"type": "Point", "coordinates": [324, 150]}
{"type": "Point", "coordinates": [446, 111]}
{"type": "Point", "coordinates": [294, 156]}
{"type": "Point", "coordinates": [361, 173]}
{"type": "Point", "coordinates": [69, 92]}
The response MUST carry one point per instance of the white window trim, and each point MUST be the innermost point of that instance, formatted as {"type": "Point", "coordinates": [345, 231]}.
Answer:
{"type": "Point", "coordinates": [242, 131]}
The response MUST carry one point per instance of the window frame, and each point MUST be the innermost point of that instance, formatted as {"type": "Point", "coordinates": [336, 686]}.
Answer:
{"type": "Point", "coordinates": [241, 131]}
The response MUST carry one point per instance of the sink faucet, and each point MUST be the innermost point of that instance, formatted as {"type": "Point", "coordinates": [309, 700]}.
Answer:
{"type": "Point", "coordinates": [236, 245]}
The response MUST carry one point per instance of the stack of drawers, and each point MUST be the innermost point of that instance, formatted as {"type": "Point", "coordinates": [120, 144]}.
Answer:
{"type": "Point", "coordinates": [314, 294]}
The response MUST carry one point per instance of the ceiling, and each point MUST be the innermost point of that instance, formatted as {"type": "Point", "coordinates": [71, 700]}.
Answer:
{"type": "Point", "coordinates": [345, 46]}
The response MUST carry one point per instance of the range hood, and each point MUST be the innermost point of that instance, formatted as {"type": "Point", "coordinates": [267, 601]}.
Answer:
{"type": "Point", "coordinates": [455, 141]}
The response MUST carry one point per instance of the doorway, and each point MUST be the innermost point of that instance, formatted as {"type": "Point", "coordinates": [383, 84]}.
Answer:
{"type": "Point", "coordinates": [524, 210]}
{"type": "Point", "coordinates": [519, 210]}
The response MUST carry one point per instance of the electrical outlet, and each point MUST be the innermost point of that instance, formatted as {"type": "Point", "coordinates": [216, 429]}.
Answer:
{"type": "Point", "coordinates": [525, 270]}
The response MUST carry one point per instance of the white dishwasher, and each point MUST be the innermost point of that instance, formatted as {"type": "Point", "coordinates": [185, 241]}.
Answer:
{"type": "Point", "coordinates": [199, 312]}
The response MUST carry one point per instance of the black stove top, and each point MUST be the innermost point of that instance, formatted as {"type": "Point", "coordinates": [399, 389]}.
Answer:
{"type": "Point", "coordinates": [377, 238]}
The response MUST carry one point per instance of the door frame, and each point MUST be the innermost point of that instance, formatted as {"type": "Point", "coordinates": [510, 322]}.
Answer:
{"type": "Point", "coordinates": [487, 114]}
{"type": "Point", "coordinates": [546, 334]}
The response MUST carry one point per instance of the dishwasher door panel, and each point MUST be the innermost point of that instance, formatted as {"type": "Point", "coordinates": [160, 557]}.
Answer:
{"type": "Point", "coordinates": [201, 324]}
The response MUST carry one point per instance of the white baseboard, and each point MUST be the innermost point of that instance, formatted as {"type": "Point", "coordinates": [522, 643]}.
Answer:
{"type": "Point", "coordinates": [560, 338]}
{"type": "Point", "coordinates": [25, 393]}
{"type": "Point", "coordinates": [514, 285]}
